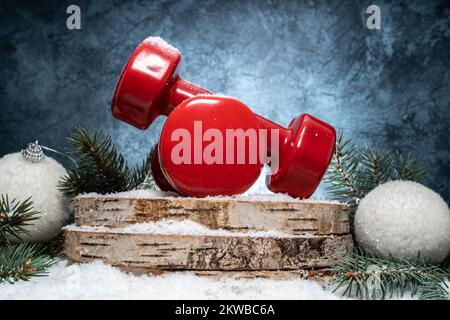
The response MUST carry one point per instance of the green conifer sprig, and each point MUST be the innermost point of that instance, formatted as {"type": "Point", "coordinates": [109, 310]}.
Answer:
{"type": "Point", "coordinates": [142, 175]}
{"type": "Point", "coordinates": [15, 216]}
{"type": "Point", "coordinates": [344, 174]}
{"type": "Point", "coordinates": [100, 167]}
{"type": "Point", "coordinates": [407, 168]}
{"type": "Point", "coordinates": [23, 261]}
{"type": "Point", "coordinates": [354, 172]}
{"type": "Point", "coordinates": [364, 276]}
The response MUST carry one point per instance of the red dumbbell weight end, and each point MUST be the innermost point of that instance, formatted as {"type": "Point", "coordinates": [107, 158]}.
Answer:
{"type": "Point", "coordinates": [149, 85]}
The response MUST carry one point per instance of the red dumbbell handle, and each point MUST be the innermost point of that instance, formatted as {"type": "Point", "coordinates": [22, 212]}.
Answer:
{"type": "Point", "coordinates": [181, 90]}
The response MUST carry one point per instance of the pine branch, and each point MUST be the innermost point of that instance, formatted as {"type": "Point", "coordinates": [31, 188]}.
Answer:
{"type": "Point", "coordinates": [354, 172]}
{"type": "Point", "coordinates": [433, 291]}
{"type": "Point", "coordinates": [15, 216]}
{"type": "Point", "coordinates": [407, 168]}
{"type": "Point", "coordinates": [377, 168]}
{"type": "Point", "coordinates": [101, 168]}
{"type": "Point", "coordinates": [344, 172]}
{"type": "Point", "coordinates": [142, 177]}
{"type": "Point", "coordinates": [23, 261]}
{"type": "Point", "coordinates": [369, 277]}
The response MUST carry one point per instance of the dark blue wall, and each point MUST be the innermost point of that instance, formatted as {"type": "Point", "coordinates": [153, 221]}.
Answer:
{"type": "Point", "coordinates": [282, 58]}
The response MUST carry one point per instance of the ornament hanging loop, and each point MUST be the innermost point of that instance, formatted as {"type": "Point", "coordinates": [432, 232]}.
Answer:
{"type": "Point", "coordinates": [33, 153]}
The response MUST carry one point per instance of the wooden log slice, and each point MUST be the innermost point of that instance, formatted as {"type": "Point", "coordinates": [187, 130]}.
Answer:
{"type": "Point", "coordinates": [294, 217]}
{"type": "Point", "coordinates": [204, 253]}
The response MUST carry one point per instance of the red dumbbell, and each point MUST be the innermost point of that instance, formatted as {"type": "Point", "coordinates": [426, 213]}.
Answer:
{"type": "Point", "coordinates": [150, 86]}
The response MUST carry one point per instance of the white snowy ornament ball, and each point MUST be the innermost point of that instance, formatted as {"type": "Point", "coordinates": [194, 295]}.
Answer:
{"type": "Point", "coordinates": [31, 173]}
{"type": "Point", "coordinates": [403, 218]}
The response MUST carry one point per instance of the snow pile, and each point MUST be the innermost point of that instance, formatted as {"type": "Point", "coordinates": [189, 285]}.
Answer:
{"type": "Point", "coordinates": [403, 218]}
{"type": "Point", "coordinates": [99, 281]}
{"type": "Point", "coordinates": [157, 194]}
{"type": "Point", "coordinates": [275, 197]}
{"type": "Point", "coordinates": [134, 194]}
{"type": "Point", "coordinates": [161, 43]}
{"type": "Point", "coordinates": [183, 227]}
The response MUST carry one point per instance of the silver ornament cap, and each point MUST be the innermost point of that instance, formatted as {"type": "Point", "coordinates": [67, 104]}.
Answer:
{"type": "Point", "coordinates": [33, 153]}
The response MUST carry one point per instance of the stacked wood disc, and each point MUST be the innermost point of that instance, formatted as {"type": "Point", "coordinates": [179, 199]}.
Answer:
{"type": "Point", "coordinates": [308, 235]}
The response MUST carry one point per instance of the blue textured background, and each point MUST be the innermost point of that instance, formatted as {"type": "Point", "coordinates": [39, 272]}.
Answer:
{"type": "Point", "coordinates": [282, 58]}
